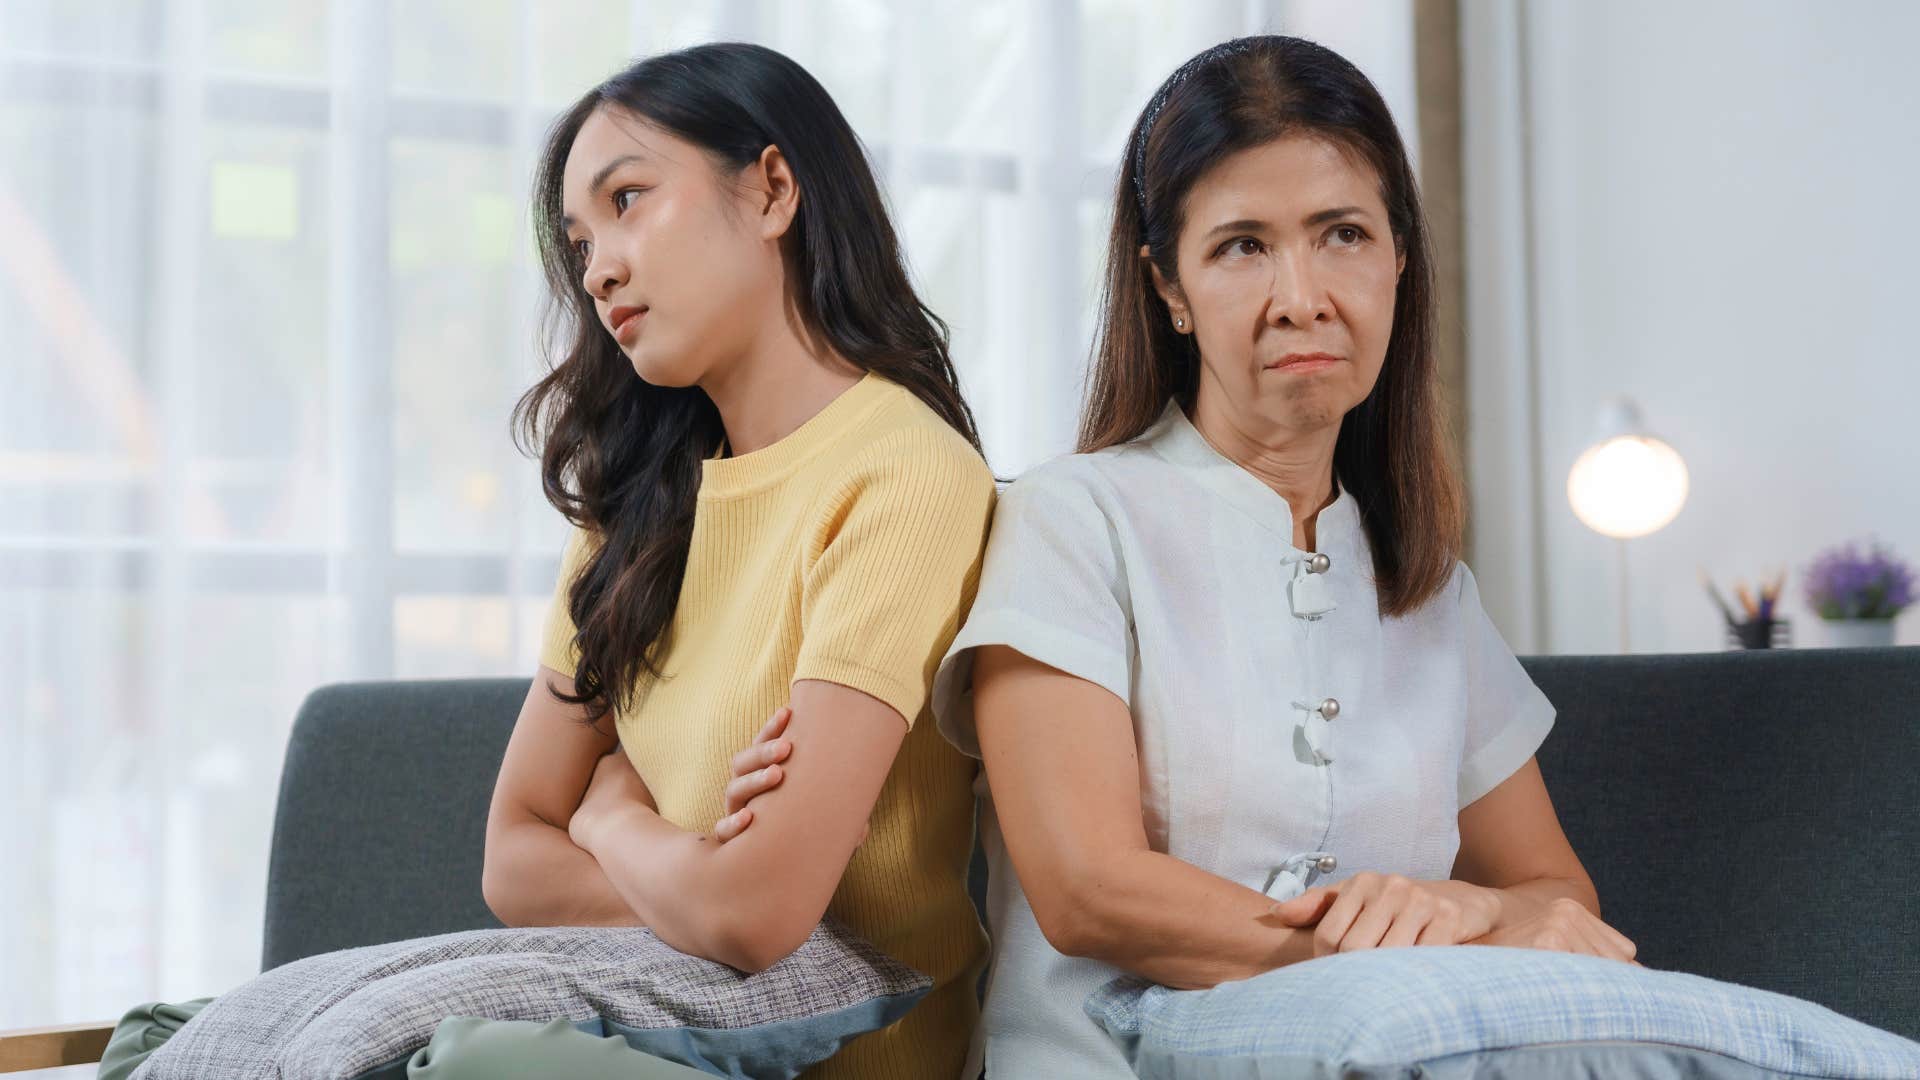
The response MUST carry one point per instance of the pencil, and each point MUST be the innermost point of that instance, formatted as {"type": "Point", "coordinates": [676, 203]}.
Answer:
{"type": "Point", "coordinates": [1713, 594]}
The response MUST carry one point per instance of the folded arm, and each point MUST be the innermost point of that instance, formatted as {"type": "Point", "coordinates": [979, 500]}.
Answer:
{"type": "Point", "coordinates": [751, 901]}
{"type": "Point", "coordinates": [534, 874]}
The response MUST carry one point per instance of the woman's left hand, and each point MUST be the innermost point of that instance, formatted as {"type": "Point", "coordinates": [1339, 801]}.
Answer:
{"type": "Point", "coordinates": [756, 771]}
{"type": "Point", "coordinates": [1382, 911]}
{"type": "Point", "coordinates": [615, 790]}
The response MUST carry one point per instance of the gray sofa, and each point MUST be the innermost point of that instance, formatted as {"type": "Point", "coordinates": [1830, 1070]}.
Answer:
{"type": "Point", "coordinates": [1749, 816]}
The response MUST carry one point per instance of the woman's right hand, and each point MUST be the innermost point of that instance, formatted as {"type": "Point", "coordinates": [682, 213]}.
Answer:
{"type": "Point", "coordinates": [756, 771]}
{"type": "Point", "coordinates": [1564, 925]}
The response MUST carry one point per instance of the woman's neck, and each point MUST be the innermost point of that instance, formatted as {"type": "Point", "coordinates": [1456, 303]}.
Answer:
{"type": "Point", "coordinates": [766, 393]}
{"type": "Point", "coordinates": [1298, 466]}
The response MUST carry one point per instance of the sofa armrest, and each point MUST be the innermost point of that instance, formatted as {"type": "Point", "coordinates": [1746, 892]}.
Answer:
{"type": "Point", "coordinates": [53, 1047]}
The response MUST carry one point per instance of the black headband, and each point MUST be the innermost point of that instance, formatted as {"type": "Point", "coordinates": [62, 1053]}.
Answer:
{"type": "Point", "coordinates": [1180, 74]}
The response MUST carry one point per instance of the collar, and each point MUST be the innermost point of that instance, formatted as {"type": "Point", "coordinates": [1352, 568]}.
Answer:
{"type": "Point", "coordinates": [1173, 437]}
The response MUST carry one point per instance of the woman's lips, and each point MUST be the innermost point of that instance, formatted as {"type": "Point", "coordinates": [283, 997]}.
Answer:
{"type": "Point", "coordinates": [626, 323]}
{"type": "Point", "coordinates": [1301, 363]}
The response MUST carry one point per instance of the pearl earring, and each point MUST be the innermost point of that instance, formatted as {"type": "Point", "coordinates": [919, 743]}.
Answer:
{"type": "Point", "coordinates": [1179, 324]}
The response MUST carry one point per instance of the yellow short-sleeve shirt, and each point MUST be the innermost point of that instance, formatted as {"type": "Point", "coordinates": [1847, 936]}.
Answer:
{"type": "Point", "coordinates": [849, 552]}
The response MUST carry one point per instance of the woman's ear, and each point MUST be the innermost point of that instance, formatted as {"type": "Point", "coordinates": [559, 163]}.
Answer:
{"type": "Point", "coordinates": [1168, 292]}
{"type": "Point", "coordinates": [776, 192]}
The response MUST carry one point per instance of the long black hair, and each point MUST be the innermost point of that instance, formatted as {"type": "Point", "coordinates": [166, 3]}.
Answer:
{"type": "Point", "coordinates": [620, 457]}
{"type": "Point", "coordinates": [1392, 452]}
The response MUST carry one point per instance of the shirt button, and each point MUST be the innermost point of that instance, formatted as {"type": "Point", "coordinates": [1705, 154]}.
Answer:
{"type": "Point", "coordinates": [1329, 709]}
{"type": "Point", "coordinates": [1319, 564]}
{"type": "Point", "coordinates": [1328, 864]}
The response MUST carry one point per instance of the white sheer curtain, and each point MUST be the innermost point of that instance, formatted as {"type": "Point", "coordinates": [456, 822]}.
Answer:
{"type": "Point", "coordinates": [265, 303]}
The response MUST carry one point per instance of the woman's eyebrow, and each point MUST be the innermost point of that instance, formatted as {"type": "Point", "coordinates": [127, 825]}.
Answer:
{"type": "Point", "coordinates": [1334, 214]}
{"type": "Point", "coordinates": [1242, 225]}
{"type": "Point", "coordinates": [1318, 218]}
{"type": "Point", "coordinates": [593, 186]}
{"type": "Point", "coordinates": [599, 178]}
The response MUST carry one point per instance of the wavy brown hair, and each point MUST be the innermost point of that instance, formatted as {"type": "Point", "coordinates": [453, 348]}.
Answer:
{"type": "Point", "coordinates": [1392, 454]}
{"type": "Point", "coordinates": [620, 457]}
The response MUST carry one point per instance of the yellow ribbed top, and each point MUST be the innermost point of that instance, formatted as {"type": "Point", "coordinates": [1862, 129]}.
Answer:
{"type": "Point", "coordinates": [848, 551]}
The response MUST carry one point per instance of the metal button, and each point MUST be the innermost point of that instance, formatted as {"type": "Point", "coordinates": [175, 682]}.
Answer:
{"type": "Point", "coordinates": [1328, 864]}
{"type": "Point", "coordinates": [1319, 564]}
{"type": "Point", "coordinates": [1329, 709]}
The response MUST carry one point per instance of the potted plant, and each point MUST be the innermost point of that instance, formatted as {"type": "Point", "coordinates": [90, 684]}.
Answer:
{"type": "Point", "coordinates": [1858, 595]}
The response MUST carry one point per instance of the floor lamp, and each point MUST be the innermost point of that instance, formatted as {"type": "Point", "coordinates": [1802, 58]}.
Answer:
{"type": "Point", "coordinates": [1627, 484]}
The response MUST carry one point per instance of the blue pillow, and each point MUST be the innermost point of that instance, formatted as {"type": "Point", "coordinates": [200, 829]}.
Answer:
{"type": "Point", "coordinates": [1489, 1013]}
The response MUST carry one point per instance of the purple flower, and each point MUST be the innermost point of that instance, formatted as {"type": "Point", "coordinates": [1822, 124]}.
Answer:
{"type": "Point", "coordinates": [1844, 584]}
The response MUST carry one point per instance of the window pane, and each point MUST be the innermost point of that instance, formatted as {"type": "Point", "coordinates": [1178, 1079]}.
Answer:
{"type": "Point", "coordinates": [259, 368]}
{"type": "Point", "coordinates": [439, 637]}
{"type": "Point", "coordinates": [147, 820]}
{"type": "Point", "coordinates": [78, 433]}
{"type": "Point", "coordinates": [1111, 90]}
{"type": "Point", "coordinates": [279, 38]}
{"type": "Point", "coordinates": [968, 70]}
{"type": "Point", "coordinates": [845, 44]}
{"type": "Point", "coordinates": [463, 48]}
{"type": "Point", "coordinates": [459, 349]}
{"type": "Point", "coordinates": [663, 25]}
{"type": "Point", "coordinates": [116, 29]}
{"type": "Point", "coordinates": [577, 43]}
{"type": "Point", "coordinates": [531, 613]}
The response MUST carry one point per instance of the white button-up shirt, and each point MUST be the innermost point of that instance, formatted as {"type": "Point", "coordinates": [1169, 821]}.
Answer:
{"type": "Point", "coordinates": [1167, 574]}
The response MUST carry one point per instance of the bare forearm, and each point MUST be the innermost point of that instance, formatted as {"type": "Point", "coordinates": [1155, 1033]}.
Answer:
{"type": "Point", "coordinates": [710, 899]}
{"type": "Point", "coordinates": [1521, 901]}
{"type": "Point", "coordinates": [1174, 923]}
{"type": "Point", "coordinates": [672, 879]}
{"type": "Point", "coordinates": [537, 876]}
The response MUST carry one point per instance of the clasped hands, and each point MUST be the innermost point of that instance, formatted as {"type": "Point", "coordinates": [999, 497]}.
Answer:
{"type": "Point", "coordinates": [1373, 911]}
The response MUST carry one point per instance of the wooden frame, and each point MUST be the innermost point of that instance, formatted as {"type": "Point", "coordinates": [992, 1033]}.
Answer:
{"type": "Point", "coordinates": [53, 1047]}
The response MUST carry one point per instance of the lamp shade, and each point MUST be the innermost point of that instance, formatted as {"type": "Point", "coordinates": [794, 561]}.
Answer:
{"type": "Point", "coordinates": [1627, 483]}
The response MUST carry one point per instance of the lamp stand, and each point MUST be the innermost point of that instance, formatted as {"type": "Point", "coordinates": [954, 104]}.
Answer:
{"type": "Point", "coordinates": [1626, 638]}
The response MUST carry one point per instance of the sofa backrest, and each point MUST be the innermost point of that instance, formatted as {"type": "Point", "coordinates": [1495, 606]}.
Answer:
{"type": "Point", "coordinates": [1753, 817]}
{"type": "Point", "coordinates": [382, 815]}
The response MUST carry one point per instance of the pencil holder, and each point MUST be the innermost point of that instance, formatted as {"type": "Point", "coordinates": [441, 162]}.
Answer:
{"type": "Point", "coordinates": [1760, 634]}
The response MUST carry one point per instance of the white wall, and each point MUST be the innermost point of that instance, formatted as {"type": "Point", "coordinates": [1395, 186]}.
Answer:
{"type": "Point", "coordinates": [1724, 229]}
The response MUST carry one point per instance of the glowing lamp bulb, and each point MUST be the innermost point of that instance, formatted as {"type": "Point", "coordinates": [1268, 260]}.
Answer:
{"type": "Point", "coordinates": [1627, 486]}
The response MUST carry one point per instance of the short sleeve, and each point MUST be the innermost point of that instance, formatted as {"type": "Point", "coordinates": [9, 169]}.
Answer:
{"type": "Point", "coordinates": [1507, 715]}
{"type": "Point", "coordinates": [1051, 588]}
{"type": "Point", "coordinates": [557, 647]}
{"type": "Point", "coordinates": [896, 565]}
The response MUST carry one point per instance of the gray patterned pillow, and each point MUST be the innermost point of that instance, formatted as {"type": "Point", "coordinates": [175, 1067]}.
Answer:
{"type": "Point", "coordinates": [348, 1013]}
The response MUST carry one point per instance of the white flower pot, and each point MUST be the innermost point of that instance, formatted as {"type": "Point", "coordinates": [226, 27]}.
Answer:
{"type": "Point", "coordinates": [1857, 633]}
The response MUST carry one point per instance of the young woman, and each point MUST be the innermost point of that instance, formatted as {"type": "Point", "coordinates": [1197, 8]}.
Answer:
{"type": "Point", "coordinates": [780, 505]}
{"type": "Point", "coordinates": [1228, 651]}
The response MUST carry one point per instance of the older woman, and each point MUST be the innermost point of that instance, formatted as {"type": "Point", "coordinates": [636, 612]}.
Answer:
{"type": "Point", "coordinates": [1237, 698]}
